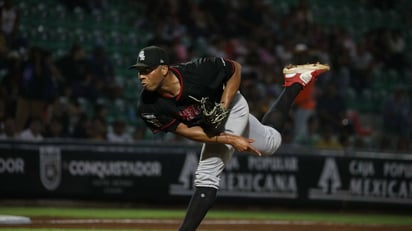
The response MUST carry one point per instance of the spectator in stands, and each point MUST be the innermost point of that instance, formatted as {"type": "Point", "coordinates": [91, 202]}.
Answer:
{"type": "Point", "coordinates": [198, 21]}
{"type": "Point", "coordinates": [8, 129]}
{"type": "Point", "coordinates": [362, 66]}
{"type": "Point", "coordinates": [305, 102]}
{"type": "Point", "coordinates": [96, 130]}
{"type": "Point", "coordinates": [60, 110]}
{"type": "Point", "coordinates": [9, 85]}
{"type": "Point", "coordinates": [180, 49]}
{"type": "Point", "coordinates": [328, 139]}
{"type": "Point", "coordinates": [54, 129]}
{"type": "Point", "coordinates": [341, 49]}
{"type": "Point", "coordinates": [377, 45]}
{"type": "Point", "coordinates": [101, 70]}
{"type": "Point", "coordinates": [139, 133]}
{"type": "Point", "coordinates": [312, 137]}
{"type": "Point", "coordinates": [250, 17]}
{"type": "Point", "coordinates": [34, 132]}
{"type": "Point", "coordinates": [100, 110]}
{"type": "Point", "coordinates": [397, 123]}
{"type": "Point", "coordinates": [303, 14]}
{"type": "Point", "coordinates": [3, 112]}
{"type": "Point", "coordinates": [9, 20]}
{"type": "Point", "coordinates": [331, 108]}
{"type": "Point", "coordinates": [36, 87]}
{"type": "Point", "coordinates": [4, 51]}
{"type": "Point", "coordinates": [81, 126]}
{"type": "Point", "coordinates": [396, 51]}
{"type": "Point", "coordinates": [56, 80]}
{"type": "Point", "coordinates": [77, 71]}
{"type": "Point", "coordinates": [118, 133]}
{"type": "Point", "coordinates": [304, 108]}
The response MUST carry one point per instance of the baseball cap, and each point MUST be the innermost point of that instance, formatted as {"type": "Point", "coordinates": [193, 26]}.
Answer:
{"type": "Point", "coordinates": [151, 56]}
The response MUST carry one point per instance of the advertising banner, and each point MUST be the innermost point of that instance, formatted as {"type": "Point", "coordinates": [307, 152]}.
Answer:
{"type": "Point", "coordinates": [153, 172]}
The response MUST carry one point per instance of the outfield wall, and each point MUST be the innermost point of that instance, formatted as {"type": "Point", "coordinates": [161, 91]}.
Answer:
{"type": "Point", "coordinates": [164, 173]}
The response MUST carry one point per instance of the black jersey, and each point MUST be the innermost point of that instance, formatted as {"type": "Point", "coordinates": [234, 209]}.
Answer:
{"type": "Point", "coordinates": [203, 77]}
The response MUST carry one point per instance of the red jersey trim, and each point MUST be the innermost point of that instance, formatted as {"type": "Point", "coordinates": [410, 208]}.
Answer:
{"type": "Point", "coordinates": [179, 75]}
{"type": "Point", "coordinates": [164, 126]}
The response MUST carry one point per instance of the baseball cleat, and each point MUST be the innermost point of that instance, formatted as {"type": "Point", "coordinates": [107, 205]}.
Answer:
{"type": "Point", "coordinates": [303, 74]}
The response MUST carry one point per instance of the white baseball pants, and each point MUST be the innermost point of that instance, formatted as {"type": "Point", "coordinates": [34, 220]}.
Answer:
{"type": "Point", "coordinates": [240, 122]}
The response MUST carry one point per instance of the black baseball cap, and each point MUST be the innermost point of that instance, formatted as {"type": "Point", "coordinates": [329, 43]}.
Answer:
{"type": "Point", "coordinates": [151, 56]}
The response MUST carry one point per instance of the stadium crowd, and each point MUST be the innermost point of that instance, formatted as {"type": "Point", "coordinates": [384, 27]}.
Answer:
{"type": "Point", "coordinates": [41, 97]}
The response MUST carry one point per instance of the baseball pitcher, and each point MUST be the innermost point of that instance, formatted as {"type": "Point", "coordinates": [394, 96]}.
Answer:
{"type": "Point", "coordinates": [200, 100]}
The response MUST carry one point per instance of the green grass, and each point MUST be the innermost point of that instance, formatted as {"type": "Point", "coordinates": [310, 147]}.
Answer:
{"type": "Point", "coordinates": [329, 217]}
{"type": "Point", "coordinates": [318, 217]}
{"type": "Point", "coordinates": [379, 219]}
{"type": "Point", "coordinates": [91, 212]}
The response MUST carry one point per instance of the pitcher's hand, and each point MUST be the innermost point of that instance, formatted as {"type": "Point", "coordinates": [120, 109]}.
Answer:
{"type": "Point", "coordinates": [242, 144]}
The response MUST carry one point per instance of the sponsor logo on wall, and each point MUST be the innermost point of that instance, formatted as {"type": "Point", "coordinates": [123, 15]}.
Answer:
{"type": "Point", "coordinates": [11, 166]}
{"type": "Point", "coordinates": [103, 169]}
{"type": "Point", "coordinates": [50, 167]}
{"type": "Point", "coordinates": [367, 181]}
{"type": "Point", "coordinates": [113, 176]}
{"type": "Point", "coordinates": [260, 177]}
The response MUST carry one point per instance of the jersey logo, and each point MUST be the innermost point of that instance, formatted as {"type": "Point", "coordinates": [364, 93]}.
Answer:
{"type": "Point", "coordinates": [189, 113]}
{"type": "Point", "coordinates": [151, 118]}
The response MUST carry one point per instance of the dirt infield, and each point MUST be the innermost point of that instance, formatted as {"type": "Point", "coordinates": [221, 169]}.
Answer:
{"type": "Point", "coordinates": [209, 225]}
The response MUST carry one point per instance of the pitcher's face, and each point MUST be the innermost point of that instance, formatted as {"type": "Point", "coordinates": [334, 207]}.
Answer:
{"type": "Point", "coordinates": [150, 77]}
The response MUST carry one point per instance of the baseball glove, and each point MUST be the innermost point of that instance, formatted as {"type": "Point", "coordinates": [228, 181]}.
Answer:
{"type": "Point", "coordinates": [214, 116]}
